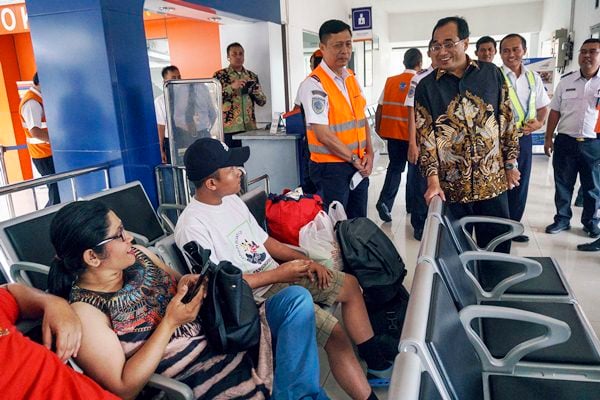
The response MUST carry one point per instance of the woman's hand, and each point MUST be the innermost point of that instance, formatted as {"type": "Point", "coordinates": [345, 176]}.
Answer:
{"type": "Point", "coordinates": [179, 313]}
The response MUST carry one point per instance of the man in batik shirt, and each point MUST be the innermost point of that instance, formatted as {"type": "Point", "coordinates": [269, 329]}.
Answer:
{"type": "Point", "coordinates": [241, 90]}
{"type": "Point", "coordinates": [468, 141]}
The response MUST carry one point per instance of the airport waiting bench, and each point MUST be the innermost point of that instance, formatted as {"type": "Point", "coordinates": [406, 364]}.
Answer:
{"type": "Point", "coordinates": [474, 341]}
{"type": "Point", "coordinates": [551, 280]}
{"type": "Point", "coordinates": [442, 357]}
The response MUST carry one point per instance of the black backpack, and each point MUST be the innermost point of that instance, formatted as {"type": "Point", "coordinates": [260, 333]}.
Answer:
{"type": "Point", "coordinates": [370, 255]}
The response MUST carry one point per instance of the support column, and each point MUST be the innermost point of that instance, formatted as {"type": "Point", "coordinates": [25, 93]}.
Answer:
{"type": "Point", "coordinates": [93, 68]}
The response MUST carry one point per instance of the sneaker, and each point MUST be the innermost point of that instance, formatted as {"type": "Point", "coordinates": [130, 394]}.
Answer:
{"type": "Point", "coordinates": [379, 378]}
{"type": "Point", "coordinates": [384, 212]}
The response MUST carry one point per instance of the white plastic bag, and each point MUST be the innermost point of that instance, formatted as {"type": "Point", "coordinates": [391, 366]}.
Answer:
{"type": "Point", "coordinates": [336, 213]}
{"type": "Point", "coordinates": [318, 239]}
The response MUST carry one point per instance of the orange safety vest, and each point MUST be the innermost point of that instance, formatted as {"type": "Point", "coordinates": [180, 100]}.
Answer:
{"type": "Point", "coordinates": [597, 127]}
{"type": "Point", "coordinates": [347, 122]}
{"type": "Point", "coordinates": [37, 148]}
{"type": "Point", "coordinates": [394, 114]}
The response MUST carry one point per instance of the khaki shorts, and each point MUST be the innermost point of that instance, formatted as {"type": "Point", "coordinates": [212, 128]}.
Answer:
{"type": "Point", "coordinates": [324, 320]}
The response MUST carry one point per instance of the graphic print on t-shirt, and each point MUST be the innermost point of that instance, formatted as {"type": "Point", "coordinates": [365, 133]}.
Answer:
{"type": "Point", "coordinates": [253, 255]}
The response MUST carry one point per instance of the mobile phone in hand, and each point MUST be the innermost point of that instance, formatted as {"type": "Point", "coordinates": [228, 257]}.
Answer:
{"type": "Point", "coordinates": [193, 290]}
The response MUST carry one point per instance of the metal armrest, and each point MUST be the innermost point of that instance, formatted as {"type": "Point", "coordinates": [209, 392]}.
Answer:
{"type": "Point", "coordinates": [174, 389]}
{"type": "Point", "coordinates": [531, 269]}
{"type": "Point", "coordinates": [515, 229]}
{"type": "Point", "coordinates": [557, 332]}
{"type": "Point", "coordinates": [18, 271]}
{"type": "Point", "coordinates": [162, 214]}
{"type": "Point", "coordinates": [406, 377]}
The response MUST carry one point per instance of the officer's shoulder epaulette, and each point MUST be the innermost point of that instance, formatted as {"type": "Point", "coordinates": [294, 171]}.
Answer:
{"type": "Point", "coordinates": [316, 78]}
{"type": "Point", "coordinates": [422, 71]}
{"type": "Point", "coordinates": [567, 74]}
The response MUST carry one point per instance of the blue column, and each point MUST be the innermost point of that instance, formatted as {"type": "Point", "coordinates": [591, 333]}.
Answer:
{"type": "Point", "coordinates": [93, 68]}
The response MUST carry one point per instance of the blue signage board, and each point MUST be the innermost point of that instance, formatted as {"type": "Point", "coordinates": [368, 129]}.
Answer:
{"type": "Point", "coordinates": [361, 19]}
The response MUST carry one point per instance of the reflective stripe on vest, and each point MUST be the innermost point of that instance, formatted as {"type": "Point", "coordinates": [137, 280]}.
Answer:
{"type": "Point", "coordinates": [516, 103]}
{"type": "Point", "coordinates": [37, 148]}
{"type": "Point", "coordinates": [394, 114]}
{"type": "Point", "coordinates": [346, 120]}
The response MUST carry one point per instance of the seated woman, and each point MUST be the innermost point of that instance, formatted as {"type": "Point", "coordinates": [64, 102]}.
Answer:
{"type": "Point", "coordinates": [135, 324]}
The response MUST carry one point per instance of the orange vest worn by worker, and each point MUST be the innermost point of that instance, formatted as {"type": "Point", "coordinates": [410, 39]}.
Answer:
{"type": "Point", "coordinates": [597, 127]}
{"type": "Point", "coordinates": [394, 114]}
{"type": "Point", "coordinates": [346, 122]}
{"type": "Point", "coordinates": [37, 148]}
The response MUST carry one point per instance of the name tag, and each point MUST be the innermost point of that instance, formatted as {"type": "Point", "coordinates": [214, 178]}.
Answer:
{"type": "Point", "coordinates": [570, 93]}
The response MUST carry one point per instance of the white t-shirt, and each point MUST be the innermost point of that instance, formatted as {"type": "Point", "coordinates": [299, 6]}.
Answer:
{"type": "Point", "coordinates": [33, 112]}
{"type": "Point", "coordinates": [230, 232]}
{"type": "Point", "coordinates": [161, 112]}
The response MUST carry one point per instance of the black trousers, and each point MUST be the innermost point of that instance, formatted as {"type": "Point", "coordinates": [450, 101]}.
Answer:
{"type": "Point", "coordinates": [570, 158]}
{"type": "Point", "coordinates": [517, 196]}
{"type": "Point", "coordinates": [333, 183]}
{"type": "Point", "coordinates": [484, 233]}
{"type": "Point", "coordinates": [45, 166]}
{"type": "Point", "coordinates": [398, 153]}
{"type": "Point", "coordinates": [416, 186]}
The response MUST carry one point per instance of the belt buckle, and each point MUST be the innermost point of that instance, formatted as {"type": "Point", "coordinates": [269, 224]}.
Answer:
{"type": "Point", "coordinates": [580, 139]}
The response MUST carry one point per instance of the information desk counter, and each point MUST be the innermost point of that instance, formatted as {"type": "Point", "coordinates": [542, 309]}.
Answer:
{"type": "Point", "coordinates": [276, 155]}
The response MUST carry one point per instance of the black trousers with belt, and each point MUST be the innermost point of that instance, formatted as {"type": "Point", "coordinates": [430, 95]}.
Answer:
{"type": "Point", "coordinates": [572, 157]}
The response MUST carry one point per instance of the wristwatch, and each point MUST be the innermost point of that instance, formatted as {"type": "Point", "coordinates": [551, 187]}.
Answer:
{"type": "Point", "coordinates": [353, 158]}
{"type": "Point", "coordinates": [511, 165]}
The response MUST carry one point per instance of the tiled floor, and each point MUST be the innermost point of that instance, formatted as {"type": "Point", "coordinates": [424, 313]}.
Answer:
{"type": "Point", "coordinates": [581, 269]}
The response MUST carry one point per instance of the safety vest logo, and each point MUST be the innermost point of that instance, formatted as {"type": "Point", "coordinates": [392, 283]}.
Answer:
{"type": "Point", "coordinates": [402, 85]}
{"type": "Point", "coordinates": [318, 105]}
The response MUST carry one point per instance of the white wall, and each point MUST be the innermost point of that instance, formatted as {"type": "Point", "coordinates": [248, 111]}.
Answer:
{"type": "Point", "coordinates": [495, 20]}
{"type": "Point", "coordinates": [301, 15]}
{"type": "Point", "coordinates": [263, 56]}
{"type": "Point", "coordinates": [586, 16]}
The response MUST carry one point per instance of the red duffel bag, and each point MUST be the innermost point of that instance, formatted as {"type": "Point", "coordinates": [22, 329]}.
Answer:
{"type": "Point", "coordinates": [287, 214]}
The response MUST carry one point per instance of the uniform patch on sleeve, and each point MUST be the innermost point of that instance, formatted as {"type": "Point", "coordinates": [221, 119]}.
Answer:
{"type": "Point", "coordinates": [411, 92]}
{"type": "Point", "coordinates": [318, 104]}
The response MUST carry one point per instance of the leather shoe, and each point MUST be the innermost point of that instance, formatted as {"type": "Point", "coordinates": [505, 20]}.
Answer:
{"type": "Point", "coordinates": [384, 212]}
{"type": "Point", "coordinates": [521, 239]}
{"type": "Point", "coordinates": [593, 246]}
{"type": "Point", "coordinates": [557, 227]}
{"type": "Point", "coordinates": [418, 234]}
{"type": "Point", "coordinates": [593, 233]}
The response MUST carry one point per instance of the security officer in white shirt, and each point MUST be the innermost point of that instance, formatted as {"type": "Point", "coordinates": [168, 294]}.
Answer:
{"type": "Point", "coordinates": [168, 73]}
{"type": "Point", "coordinates": [530, 106]}
{"type": "Point", "coordinates": [577, 146]}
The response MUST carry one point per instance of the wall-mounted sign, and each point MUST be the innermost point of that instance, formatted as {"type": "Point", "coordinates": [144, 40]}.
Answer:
{"type": "Point", "coordinates": [361, 19]}
{"type": "Point", "coordinates": [362, 23]}
{"type": "Point", "coordinates": [13, 19]}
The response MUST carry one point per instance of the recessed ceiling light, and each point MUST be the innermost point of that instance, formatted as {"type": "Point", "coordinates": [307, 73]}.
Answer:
{"type": "Point", "coordinates": [214, 19]}
{"type": "Point", "coordinates": [166, 9]}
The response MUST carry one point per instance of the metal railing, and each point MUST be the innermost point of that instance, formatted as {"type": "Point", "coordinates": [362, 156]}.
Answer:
{"type": "Point", "coordinates": [32, 184]}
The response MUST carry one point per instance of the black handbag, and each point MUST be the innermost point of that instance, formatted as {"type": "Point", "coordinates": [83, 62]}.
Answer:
{"type": "Point", "coordinates": [229, 314]}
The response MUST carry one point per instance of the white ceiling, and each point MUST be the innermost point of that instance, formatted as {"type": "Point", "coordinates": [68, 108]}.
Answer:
{"type": "Point", "coordinates": [404, 6]}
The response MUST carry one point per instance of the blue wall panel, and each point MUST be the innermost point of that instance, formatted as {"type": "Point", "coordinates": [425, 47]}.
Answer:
{"type": "Point", "coordinates": [93, 68]}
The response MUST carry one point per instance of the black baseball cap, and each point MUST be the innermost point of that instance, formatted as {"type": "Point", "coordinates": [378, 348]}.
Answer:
{"type": "Point", "coordinates": [206, 155]}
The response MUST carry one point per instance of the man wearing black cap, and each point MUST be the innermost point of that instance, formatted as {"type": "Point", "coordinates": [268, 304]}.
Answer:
{"type": "Point", "coordinates": [220, 221]}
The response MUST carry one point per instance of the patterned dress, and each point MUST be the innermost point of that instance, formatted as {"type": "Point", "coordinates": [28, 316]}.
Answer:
{"type": "Point", "coordinates": [136, 310]}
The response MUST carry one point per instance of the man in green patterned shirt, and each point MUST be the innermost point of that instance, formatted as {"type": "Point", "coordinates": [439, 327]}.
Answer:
{"type": "Point", "coordinates": [241, 90]}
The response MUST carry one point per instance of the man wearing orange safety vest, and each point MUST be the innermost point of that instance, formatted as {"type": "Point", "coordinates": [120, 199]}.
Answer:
{"type": "Point", "coordinates": [33, 119]}
{"type": "Point", "coordinates": [391, 123]}
{"type": "Point", "coordinates": [337, 131]}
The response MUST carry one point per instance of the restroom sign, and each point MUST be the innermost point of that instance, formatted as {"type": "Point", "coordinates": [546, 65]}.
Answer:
{"type": "Point", "coordinates": [361, 19]}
